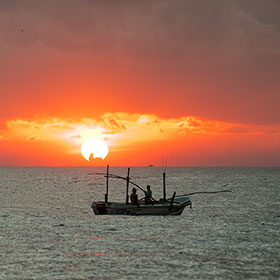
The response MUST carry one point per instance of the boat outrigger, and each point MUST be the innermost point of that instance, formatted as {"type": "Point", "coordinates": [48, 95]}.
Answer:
{"type": "Point", "coordinates": [171, 206]}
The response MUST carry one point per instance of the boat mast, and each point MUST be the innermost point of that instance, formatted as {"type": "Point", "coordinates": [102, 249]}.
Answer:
{"type": "Point", "coordinates": [107, 184]}
{"type": "Point", "coordinates": [164, 189]}
{"type": "Point", "coordinates": [127, 185]}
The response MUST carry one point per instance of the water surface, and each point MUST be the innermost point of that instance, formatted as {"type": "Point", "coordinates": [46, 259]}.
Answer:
{"type": "Point", "coordinates": [48, 230]}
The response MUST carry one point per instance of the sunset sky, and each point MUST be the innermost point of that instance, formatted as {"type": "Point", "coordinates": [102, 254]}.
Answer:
{"type": "Point", "coordinates": [196, 82]}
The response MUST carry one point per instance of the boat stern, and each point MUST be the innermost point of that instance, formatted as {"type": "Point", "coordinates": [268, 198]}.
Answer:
{"type": "Point", "coordinates": [99, 208]}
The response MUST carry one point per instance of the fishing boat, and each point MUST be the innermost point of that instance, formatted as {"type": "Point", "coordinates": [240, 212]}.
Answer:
{"type": "Point", "coordinates": [165, 206]}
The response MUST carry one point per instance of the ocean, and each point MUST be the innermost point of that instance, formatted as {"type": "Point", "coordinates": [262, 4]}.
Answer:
{"type": "Point", "coordinates": [48, 229]}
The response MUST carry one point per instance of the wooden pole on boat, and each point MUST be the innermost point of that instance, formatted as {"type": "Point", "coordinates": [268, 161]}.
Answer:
{"type": "Point", "coordinates": [127, 185]}
{"type": "Point", "coordinates": [164, 190]}
{"type": "Point", "coordinates": [107, 184]}
{"type": "Point", "coordinates": [171, 202]}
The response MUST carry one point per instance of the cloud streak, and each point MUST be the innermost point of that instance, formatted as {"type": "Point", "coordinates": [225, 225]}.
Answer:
{"type": "Point", "coordinates": [187, 140]}
{"type": "Point", "coordinates": [132, 127]}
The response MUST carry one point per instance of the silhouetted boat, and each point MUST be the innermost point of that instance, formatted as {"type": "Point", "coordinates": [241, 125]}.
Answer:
{"type": "Point", "coordinates": [171, 206]}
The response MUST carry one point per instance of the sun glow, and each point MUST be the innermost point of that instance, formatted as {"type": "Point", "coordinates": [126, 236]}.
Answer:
{"type": "Point", "coordinates": [94, 148]}
{"type": "Point", "coordinates": [58, 141]}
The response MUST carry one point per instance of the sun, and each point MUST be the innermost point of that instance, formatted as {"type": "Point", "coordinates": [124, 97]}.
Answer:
{"type": "Point", "coordinates": [94, 148]}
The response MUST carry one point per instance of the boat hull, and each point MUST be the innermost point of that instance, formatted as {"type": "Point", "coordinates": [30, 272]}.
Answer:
{"type": "Point", "coordinates": [156, 209]}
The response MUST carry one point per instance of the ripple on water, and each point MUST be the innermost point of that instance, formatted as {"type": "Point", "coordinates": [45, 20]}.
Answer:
{"type": "Point", "coordinates": [48, 230]}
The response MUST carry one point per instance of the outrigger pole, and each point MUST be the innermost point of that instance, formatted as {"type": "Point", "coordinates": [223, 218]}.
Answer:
{"type": "Point", "coordinates": [205, 192]}
{"type": "Point", "coordinates": [108, 175]}
{"type": "Point", "coordinates": [164, 189]}
{"type": "Point", "coordinates": [107, 184]}
{"type": "Point", "coordinates": [187, 194]}
{"type": "Point", "coordinates": [127, 185]}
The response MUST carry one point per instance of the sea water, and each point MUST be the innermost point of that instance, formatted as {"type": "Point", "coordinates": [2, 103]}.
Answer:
{"type": "Point", "coordinates": [48, 229]}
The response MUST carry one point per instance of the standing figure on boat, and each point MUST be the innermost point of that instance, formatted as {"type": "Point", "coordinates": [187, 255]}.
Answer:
{"type": "Point", "coordinates": [148, 195]}
{"type": "Point", "coordinates": [134, 197]}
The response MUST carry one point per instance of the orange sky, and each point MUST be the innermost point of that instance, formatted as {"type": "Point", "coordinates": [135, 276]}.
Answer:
{"type": "Point", "coordinates": [194, 81]}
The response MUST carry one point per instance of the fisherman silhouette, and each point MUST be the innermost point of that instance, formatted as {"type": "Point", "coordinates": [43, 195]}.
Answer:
{"type": "Point", "coordinates": [148, 195]}
{"type": "Point", "coordinates": [134, 197]}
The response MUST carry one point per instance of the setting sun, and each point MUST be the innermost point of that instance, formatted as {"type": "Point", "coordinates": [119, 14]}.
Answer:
{"type": "Point", "coordinates": [175, 81]}
{"type": "Point", "coordinates": [94, 148]}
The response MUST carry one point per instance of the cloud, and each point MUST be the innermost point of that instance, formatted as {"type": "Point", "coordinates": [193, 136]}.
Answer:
{"type": "Point", "coordinates": [33, 138]}
{"type": "Point", "coordinates": [186, 138]}
{"type": "Point", "coordinates": [149, 28]}
{"type": "Point", "coordinates": [138, 128]}
{"type": "Point", "coordinates": [214, 59]}
{"type": "Point", "coordinates": [75, 137]}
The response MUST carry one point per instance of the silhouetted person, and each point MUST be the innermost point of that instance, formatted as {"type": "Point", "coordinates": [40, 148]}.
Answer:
{"type": "Point", "coordinates": [148, 195]}
{"type": "Point", "coordinates": [134, 197]}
